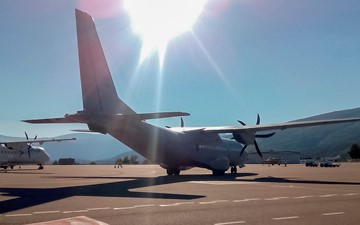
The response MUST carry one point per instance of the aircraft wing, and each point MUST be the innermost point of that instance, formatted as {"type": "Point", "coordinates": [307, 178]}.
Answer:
{"type": "Point", "coordinates": [40, 141]}
{"type": "Point", "coordinates": [280, 126]}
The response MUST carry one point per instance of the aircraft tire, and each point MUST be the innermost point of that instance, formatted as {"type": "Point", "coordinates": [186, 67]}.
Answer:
{"type": "Point", "coordinates": [218, 172]}
{"type": "Point", "coordinates": [171, 172]}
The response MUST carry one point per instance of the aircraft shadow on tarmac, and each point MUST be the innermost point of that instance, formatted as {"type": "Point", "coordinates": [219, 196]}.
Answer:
{"type": "Point", "coordinates": [28, 197]}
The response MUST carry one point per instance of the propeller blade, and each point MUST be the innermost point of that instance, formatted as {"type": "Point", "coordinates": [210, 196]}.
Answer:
{"type": "Point", "coordinates": [258, 119]}
{"type": "Point", "coordinates": [243, 149]}
{"type": "Point", "coordinates": [35, 137]}
{"type": "Point", "coordinates": [29, 147]}
{"type": "Point", "coordinates": [265, 135]}
{"type": "Point", "coordinates": [27, 137]}
{"type": "Point", "coordinates": [242, 123]}
{"type": "Point", "coordinates": [257, 149]}
{"type": "Point", "coordinates": [182, 122]}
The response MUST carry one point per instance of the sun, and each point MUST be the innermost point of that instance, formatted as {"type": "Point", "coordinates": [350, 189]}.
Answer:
{"type": "Point", "coordinates": [159, 21]}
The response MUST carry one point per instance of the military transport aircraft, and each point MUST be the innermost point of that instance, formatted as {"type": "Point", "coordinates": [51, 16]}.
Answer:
{"type": "Point", "coordinates": [174, 149]}
{"type": "Point", "coordinates": [13, 153]}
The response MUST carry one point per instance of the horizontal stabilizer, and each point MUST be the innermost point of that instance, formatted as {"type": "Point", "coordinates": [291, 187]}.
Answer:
{"type": "Point", "coordinates": [85, 131]}
{"type": "Point", "coordinates": [88, 117]}
{"type": "Point", "coordinates": [149, 116]}
{"type": "Point", "coordinates": [52, 120]}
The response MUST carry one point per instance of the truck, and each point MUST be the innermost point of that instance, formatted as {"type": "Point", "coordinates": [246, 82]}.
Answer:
{"type": "Point", "coordinates": [329, 164]}
{"type": "Point", "coordinates": [311, 163]}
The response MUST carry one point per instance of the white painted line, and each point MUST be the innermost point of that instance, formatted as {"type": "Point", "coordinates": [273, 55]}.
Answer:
{"type": "Point", "coordinates": [286, 218]}
{"type": "Point", "coordinates": [227, 223]}
{"type": "Point", "coordinates": [75, 211]}
{"type": "Point", "coordinates": [247, 200]}
{"type": "Point", "coordinates": [124, 208]}
{"type": "Point", "coordinates": [304, 196]}
{"type": "Point", "coordinates": [46, 212]}
{"type": "Point", "coordinates": [333, 213]}
{"type": "Point", "coordinates": [177, 204]}
{"type": "Point", "coordinates": [141, 206]}
{"type": "Point", "coordinates": [276, 198]}
{"type": "Point", "coordinates": [13, 215]}
{"type": "Point", "coordinates": [93, 209]}
{"type": "Point", "coordinates": [133, 207]}
{"type": "Point", "coordinates": [326, 196]}
{"type": "Point", "coordinates": [212, 202]}
{"type": "Point", "coordinates": [350, 194]}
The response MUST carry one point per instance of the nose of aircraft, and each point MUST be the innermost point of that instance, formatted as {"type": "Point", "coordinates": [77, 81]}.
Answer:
{"type": "Point", "coordinates": [44, 156]}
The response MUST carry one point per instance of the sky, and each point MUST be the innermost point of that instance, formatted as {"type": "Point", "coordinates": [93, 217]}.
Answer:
{"type": "Point", "coordinates": [283, 59]}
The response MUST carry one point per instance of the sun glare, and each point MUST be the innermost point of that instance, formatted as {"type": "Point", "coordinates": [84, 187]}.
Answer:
{"type": "Point", "coordinates": [159, 21]}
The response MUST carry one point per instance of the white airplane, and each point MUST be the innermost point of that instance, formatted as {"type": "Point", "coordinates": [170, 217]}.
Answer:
{"type": "Point", "coordinates": [14, 153]}
{"type": "Point", "coordinates": [174, 149]}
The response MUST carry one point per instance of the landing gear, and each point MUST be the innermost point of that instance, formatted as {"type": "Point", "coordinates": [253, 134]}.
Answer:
{"type": "Point", "coordinates": [40, 167]}
{"type": "Point", "coordinates": [173, 172]}
{"type": "Point", "coordinates": [233, 170]}
{"type": "Point", "coordinates": [218, 172]}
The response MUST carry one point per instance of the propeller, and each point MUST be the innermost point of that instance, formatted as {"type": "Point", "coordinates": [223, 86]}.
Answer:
{"type": "Point", "coordinates": [181, 123]}
{"type": "Point", "coordinates": [253, 136]}
{"type": "Point", "coordinates": [29, 145]}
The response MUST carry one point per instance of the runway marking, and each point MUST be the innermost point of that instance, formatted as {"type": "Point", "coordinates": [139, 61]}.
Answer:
{"type": "Point", "coordinates": [124, 208]}
{"type": "Point", "coordinates": [134, 207]}
{"type": "Point", "coordinates": [93, 209]}
{"type": "Point", "coordinates": [14, 215]}
{"type": "Point", "coordinates": [46, 212]}
{"type": "Point", "coordinates": [227, 223]}
{"type": "Point", "coordinates": [75, 211]}
{"type": "Point", "coordinates": [276, 198]}
{"type": "Point", "coordinates": [142, 206]}
{"type": "Point", "coordinates": [212, 202]}
{"type": "Point", "coordinates": [177, 204]}
{"type": "Point", "coordinates": [350, 194]}
{"type": "Point", "coordinates": [247, 200]}
{"type": "Point", "coordinates": [332, 214]}
{"type": "Point", "coordinates": [286, 218]}
{"type": "Point", "coordinates": [328, 195]}
{"type": "Point", "coordinates": [304, 196]}
{"type": "Point", "coordinates": [283, 186]}
{"type": "Point", "coordinates": [222, 182]}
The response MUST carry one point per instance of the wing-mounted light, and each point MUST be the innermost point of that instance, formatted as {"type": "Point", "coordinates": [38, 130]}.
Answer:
{"type": "Point", "coordinates": [249, 137]}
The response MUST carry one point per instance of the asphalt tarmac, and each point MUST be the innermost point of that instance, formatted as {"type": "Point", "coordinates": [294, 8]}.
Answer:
{"type": "Point", "coordinates": [144, 194]}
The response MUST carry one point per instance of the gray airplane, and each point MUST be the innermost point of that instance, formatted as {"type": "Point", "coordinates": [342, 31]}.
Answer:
{"type": "Point", "coordinates": [174, 149]}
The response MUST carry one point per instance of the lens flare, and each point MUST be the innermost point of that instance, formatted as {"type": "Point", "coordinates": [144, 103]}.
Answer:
{"type": "Point", "coordinates": [159, 21]}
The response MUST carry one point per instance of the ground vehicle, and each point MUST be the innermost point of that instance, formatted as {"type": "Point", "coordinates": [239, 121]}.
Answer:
{"type": "Point", "coordinates": [329, 164]}
{"type": "Point", "coordinates": [311, 163]}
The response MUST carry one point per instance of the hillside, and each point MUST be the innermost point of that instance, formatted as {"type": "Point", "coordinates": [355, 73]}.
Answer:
{"type": "Point", "coordinates": [328, 140]}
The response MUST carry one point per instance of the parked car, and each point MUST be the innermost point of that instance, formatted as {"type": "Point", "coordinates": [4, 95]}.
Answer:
{"type": "Point", "coordinates": [311, 163]}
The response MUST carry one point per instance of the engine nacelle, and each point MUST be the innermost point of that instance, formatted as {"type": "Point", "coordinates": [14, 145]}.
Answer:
{"type": "Point", "coordinates": [244, 137]}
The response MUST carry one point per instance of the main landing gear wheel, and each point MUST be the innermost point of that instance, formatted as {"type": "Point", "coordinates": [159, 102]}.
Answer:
{"type": "Point", "coordinates": [173, 172]}
{"type": "Point", "coordinates": [233, 170]}
{"type": "Point", "coordinates": [218, 172]}
{"type": "Point", "coordinates": [40, 167]}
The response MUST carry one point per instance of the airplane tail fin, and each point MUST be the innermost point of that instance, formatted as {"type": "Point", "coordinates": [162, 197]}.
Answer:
{"type": "Point", "coordinates": [103, 109]}
{"type": "Point", "coordinates": [98, 90]}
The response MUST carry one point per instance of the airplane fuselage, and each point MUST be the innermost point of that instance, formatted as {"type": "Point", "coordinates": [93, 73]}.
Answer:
{"type": "Point", "coordinates": [174, 149]}
{"type": "Point", "coordinates": [12, 157]}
